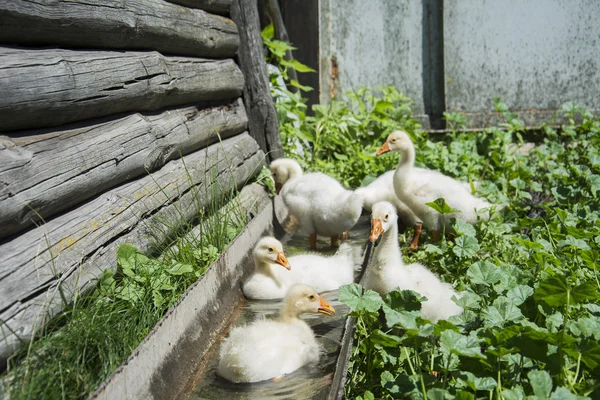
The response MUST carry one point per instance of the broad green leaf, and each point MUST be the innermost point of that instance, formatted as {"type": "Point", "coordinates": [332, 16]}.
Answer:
{"type": "Point", "coordinates": [469, 300]}
{"type": "Point", "coordinates": [268, 32]}
{"type": "Point", "coordinates": [389, 382]}
{"type": "Point", "coordinates": [586, 327]}
{"type": "Point", "coordinates": [485, 273]}
{"type": "Point", "coordinates": [436, 394]}
{"type": "Point", "coordinates": [585, 293]}
{"type": "Point", "coordinates": [385, 339]}
{"type": "Point", "coordinates": [553, 291]}
{"type": "Point", "coordinates": [562, 393]}
{"type": "Point", "coordinates": [570, 241]}
{"type": "Point", "coordinates": [400, 300]}
{"type": "Point", "coordinates": [297, 84]}
{"type": "Point", "coordinates": [441, 206]}
{"type": "Point", "coordinates": [180, 269]}
{"type": "Point", "coordinates": [590, 353]}
{"type": "Point", "coordinates": [529, 245]}
{"type": "Point", "coordinates": [463, 395]}
{"type": "Point", "coordinates": [541, 383]}
{"type": "Point", "coordinates": [297, 65]}
{"type": "Point", "coordinates": [476, 383]}
{"type": "Point", "coordinates": [594, 183]}
{"type": "Point", "coordinates": [455, 343]}
{"type": "Point", "coordinates": [131, 292]}
{"type": "Point", "coordinates": [500, 313]}
{"type": "Point", "coordinates": [354, 298]}
{"type": "Point", "coordinates": [519, 294]}
{"type": "Point", "coordinates": [464, 228]}
{"type": "Point", "coordinates": [368, 396]}
{"type": "Point", "coordinates": [465, 246]}
{"type": "Point", "coordinates": [158, 298]}
{"type": "Point", "coordinates": [516, 393]}
{"type": "Point", "coordinates": [382, 106]}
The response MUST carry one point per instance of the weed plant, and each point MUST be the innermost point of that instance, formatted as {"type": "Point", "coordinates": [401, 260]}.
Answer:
{"type": "Point", "coordinates": [528, 277]}
{"type": "Point", "coordinates": [97, 332]}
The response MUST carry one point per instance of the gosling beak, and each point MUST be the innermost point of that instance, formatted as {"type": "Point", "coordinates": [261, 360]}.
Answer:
{"type": "Point", "coordinates": [376, 230]}
{"type": "Point", "coordinates": [282, 260]}
{"type": "Point", "coordinates": [325, 308]}
{"type": "Point", "coordinates": [383, 149]}
{"type": "Point", "coordinates": [278, 187]}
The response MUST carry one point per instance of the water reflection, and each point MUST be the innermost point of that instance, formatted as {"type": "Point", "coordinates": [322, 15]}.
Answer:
{"type": "Point", "coordinates": [308, 382]}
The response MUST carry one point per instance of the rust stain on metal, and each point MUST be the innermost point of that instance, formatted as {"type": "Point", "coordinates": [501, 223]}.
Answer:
{"type": "Point", "coordinates": [333, 76]}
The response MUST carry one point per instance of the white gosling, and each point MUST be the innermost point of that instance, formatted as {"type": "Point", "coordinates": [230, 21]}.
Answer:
{"type": "Point", "coordinates": [388, 271]}
{"type": "Point", "coordinates": [319, 203]}
{"type": "Point", "coordinates": [275, 274]}
{"type": "Point", "coordinates": [382, 189]}
{"type": "Point", "coordinates": [271, 349]}
{"type": "Point", "coordinates": [416, 187]}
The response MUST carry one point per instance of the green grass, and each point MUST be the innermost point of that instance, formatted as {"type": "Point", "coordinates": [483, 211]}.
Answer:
{"type": "Point", "coordinates": [98, 331]}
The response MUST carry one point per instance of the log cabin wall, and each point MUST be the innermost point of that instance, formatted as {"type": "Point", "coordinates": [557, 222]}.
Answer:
{"type": "Point", "coordinates": [111, 112]}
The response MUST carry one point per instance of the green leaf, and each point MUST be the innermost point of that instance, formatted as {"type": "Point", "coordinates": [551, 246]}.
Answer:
{"type": "Point", "coordinates": [130, 292]}
{"type": "Point", "coordinates": [586, 327]}
{"type": "Point", "coordinates": [464, 228]}
{"type": "Point", "coordinates": [368, 395]}
{"type": "Point", "coordinates": [297, 65]}
{"type": "Point", "coordinates": [268, 32]}
{"type": "Point", "coordinates": [516, 393]}
{"type": "Point", "coordinates": [441, 206]}
{"type": "Point", "coordinates": [455, 343]}
{"type": "Point", "coordinates": [585, 293]}
{"type": "Point", "coordinates": [385, 339]}
{"type": "Point", "coordinates": [519, 294]}
{"type": "Point", "coordinates": [594, 181]}
{"type": "Point", "coordinates": [529, 245]}
{"type": "Point", "coordinates": [469, 300]}
{"type": "Point", "coordinates": [389, 382]}
{"type": "Point", "coordinates": [297, 84]}
{"type": "Point", "coordinates": [541, 382]}
{"type": "Point", "coordinates": [436, 394]}
{"type": "Point", "coordinates": [553, 291]}
{"type": "Point", "coordinates": [158, 298]}
{"type": "Point", "coordinates": [500, 313]}
{"type": "Point", "coordinates": [382, 106]}
{"type": "Point", "coordinates": [476, 383]}
{"type": "Point", "coordinates": [484, 273]}
{"type": "Point", "coordinates": [180, 269]}
{"type": "Point", "coordinates": [354, 298]}
{"type": "Point", "coordinates": [590, 353]}
{"type": "Point", "coordinates": [465, 246]}
{"type": "Point", "coordinates": [561, 393]}
{"type": "Point", "coordinates": [570, 241]}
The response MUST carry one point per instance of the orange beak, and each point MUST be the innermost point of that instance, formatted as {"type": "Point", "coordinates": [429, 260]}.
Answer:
{"type": "Point", "coordinates": [383, 149]}
{"type": "Point", "coordinates": [325, 308]}
{"type": "Point", "coordinates": [282, 260]}
{"type": "Point", "coordinates": [376, 230]}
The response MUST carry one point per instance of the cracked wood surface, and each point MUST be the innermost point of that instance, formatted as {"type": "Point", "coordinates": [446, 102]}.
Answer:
{"type": "Point", "coordinates": [44, 88]}
{"type": "Point", "coordinates": [214, 6]}
{"type": "Point", "coordinates": [118, 24]}
{"type": "Point", "coordinates": [44, 173]}
{"type": "Point", "coordinates": [70, 251]}
{"type": "Point", "coordinates": [263, 123]}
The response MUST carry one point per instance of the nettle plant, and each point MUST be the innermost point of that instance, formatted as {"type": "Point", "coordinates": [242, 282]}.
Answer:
{"type": "Point", "coordinates": [528, 278]}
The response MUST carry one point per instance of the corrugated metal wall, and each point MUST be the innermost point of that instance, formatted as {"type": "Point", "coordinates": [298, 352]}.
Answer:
{"type": "Point", "coordinates": [457, 55]}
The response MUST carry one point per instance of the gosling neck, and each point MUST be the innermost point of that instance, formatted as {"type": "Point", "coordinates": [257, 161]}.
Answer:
{"type": "Point", "coordinates": [266, 268]}
{"type": "Point", "coordinates": [294, 171]}
{"type": "Point", "coordinates": [407, 161]}
{"type": "Point", "coordinates": [388, 250]}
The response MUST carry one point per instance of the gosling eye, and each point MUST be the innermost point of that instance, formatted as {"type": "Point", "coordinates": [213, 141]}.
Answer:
{"type": "Point", "coordinates": [311, 297]}
{"type": "Point", "coordinates": [394, 140]}
{"type": "Point", "coordinates": [270, 249]}
{"type": "Point", "coordinates": [386, 217]}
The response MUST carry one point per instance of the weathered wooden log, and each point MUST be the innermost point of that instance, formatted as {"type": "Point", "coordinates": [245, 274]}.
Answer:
{"type": "Point", "coordinates": [214, 6]}
{"type": "Point", "coordinates": [118, 24]}
{"type": "Point", "coordinates": [263, 123]}
{"type": "Point", "coordinates": [45, 173]}
{"type": "Point", "coordinates": [69, 252]}
{"type": "Point", "coordinates": [43, 88]}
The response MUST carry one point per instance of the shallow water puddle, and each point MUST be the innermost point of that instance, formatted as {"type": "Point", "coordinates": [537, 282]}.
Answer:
{"type": "Point", "coordinates": [308, 382]}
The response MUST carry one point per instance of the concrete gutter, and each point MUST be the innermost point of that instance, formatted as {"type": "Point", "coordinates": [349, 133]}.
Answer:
{"type": "Point", "coordinates": [161, 367]}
